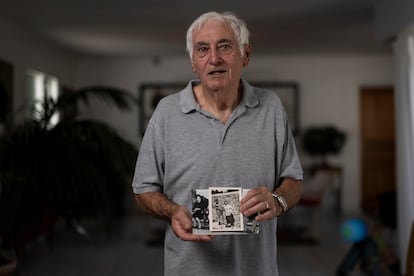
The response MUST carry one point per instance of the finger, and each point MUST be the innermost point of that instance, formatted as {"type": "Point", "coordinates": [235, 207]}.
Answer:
{"type": "Point", "coordinates": [250, 194]}
{"type": "Point", "coordinates": [257, 203]}
{"type": "Point", "coordinates": [265, 216]}
{"type": "Point", "coordinates": [249, 201]}
{"type": "Point", "coordinates": [183, 230]}
{"type": "Point", "coordinates": [259, 207]}
{"type": "Point", "coordinates": [271, 213]}
{"type": "Point", "coordinates": [253, 197]}
{"type": "Point", "coordinates": [204, 237]}
{"type": "Point", "coordinates": [188, 236]}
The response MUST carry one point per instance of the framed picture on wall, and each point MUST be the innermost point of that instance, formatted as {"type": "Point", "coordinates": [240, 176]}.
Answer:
{"type": "Point", "coordinates": [6, 92]}
{"type": "Point", "coordinates": [149, 95]}
{"type": "Point", "coordinates": [288, 92]}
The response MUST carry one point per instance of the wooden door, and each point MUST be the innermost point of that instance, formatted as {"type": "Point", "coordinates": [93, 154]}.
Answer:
{"type": "Point", "coordinates": [377, 145]}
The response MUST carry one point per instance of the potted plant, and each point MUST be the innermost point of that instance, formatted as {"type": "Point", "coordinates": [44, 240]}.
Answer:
{"type": "Point", "coordinates": [74, 169]}
{"type": "Point", "coordinates": [322, 141]}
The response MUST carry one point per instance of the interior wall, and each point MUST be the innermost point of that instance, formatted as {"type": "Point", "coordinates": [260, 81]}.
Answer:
{"type": "Point", "coordinates": [329, 85]}
{"type": "Point", "coordinates": [28, 51]}
{"type": "Point", "coordinates": [391, 17]}
{"type": "Point", "coordinates": [329, 94]}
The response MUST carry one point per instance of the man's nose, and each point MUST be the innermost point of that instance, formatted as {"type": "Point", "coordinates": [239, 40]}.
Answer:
{"type": "Point", "coordinates": [214, 56]}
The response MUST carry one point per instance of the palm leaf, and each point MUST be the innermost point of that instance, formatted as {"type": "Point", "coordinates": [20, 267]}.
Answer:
{"type": "Point", "coordinates": [77, 168]}
{"type": "Point", "coordinates": [113, 96]}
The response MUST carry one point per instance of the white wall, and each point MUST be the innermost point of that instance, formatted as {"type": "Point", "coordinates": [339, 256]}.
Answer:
{"type": "Point", "coordinates": [329, 94]}
{"type": "Point", "coordinates": [27, 51]}
{"type": "Point", "coordinates": [128, 74]}
{"type": "Point", "coordinates": [391, 17]}
{"type": "Point", "coordinates": [329, 86]}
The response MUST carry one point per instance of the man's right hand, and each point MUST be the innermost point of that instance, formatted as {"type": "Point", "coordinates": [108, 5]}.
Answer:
{"type": "Point", "coordinates": [159, 205]}
{"type": "Point", "coordinates": [182, 226]}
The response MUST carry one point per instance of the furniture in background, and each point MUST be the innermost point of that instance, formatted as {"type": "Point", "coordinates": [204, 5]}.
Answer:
{"type": "Point", "coordinates": [323, 180]}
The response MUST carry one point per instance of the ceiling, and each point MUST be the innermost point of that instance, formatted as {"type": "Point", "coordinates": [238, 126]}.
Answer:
{"type": "Point", "coordinates": [158, 27]}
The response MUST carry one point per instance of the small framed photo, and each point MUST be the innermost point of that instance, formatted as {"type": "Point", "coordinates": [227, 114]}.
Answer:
{"type": "Point", "coordinates": [149, 94]}
{"type": "Point", "coordinates": [288, 92]}
{"type": "Point", "coordinates": [225, 212]}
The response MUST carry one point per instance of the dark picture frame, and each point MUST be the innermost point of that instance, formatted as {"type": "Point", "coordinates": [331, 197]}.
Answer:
{"type": "Point", "coordinates": [289, 94]}
{"type": "Point", "coordinates": [6, 92]}
{"type": "Point", "coordinates": [149, 95]}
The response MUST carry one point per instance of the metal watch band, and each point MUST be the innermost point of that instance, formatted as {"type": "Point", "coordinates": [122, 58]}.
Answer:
{"type": "Point", "coordinates": [282, 201]}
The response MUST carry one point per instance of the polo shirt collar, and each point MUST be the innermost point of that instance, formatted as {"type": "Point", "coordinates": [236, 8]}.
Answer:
{"type": "Point", "coordinates": [188, 102]}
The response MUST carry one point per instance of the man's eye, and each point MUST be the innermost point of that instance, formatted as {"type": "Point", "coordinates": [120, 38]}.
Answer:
{"type": "Point", "coordinates": [225, 48]}
{"type": "Point", "coordinates": [202, 49]}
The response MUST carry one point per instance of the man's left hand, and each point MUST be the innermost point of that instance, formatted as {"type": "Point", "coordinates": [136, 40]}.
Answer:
{"type": "Point", "coordinates": [260, 201]}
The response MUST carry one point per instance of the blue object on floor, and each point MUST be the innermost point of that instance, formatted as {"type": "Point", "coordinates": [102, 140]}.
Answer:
{"type": "Point", "coordinates": [354, 230]}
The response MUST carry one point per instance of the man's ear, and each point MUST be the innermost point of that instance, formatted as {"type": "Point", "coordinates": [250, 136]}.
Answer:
{"type": "Point", "coordinates": [193, 67]}
{"type": "Point", "coordinates": [246, 57]}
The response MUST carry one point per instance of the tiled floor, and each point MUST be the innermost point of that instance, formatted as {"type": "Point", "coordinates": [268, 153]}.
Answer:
{"type": "Point", "coordinates": [125, 253]}
{"type": "Point", "coordinates": [121, 252]}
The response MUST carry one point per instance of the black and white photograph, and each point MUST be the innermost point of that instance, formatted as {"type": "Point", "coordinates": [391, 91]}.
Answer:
{"type": "Point", "coordinates": [200, 211]}
{"type": "Point", "coordinates": [225, 209]}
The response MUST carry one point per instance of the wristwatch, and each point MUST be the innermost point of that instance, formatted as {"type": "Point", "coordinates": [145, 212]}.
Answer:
{"type": "Point", "coordinates": [282, 201]}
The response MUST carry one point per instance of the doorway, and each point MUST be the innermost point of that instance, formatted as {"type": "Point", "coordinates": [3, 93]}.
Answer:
{"type": "Point", "coordinates": [378, 169]}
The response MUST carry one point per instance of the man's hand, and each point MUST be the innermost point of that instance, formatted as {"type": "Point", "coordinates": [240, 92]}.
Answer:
{"type": "Point", "coordinates": [181, 224]}
{"type": "Point", "coordinates": [157, 204]}
{"type": "Point", "coordinates": [260, 201]}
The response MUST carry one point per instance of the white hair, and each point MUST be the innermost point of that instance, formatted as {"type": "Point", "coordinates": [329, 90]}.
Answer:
{"type": "Point", "coordinates": [239, 27]}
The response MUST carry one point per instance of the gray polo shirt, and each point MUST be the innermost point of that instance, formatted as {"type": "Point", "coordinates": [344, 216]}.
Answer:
{"type": "Point", "coordinates": [185, 148]}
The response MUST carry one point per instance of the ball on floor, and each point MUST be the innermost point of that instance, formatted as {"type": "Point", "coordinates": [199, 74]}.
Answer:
{"type": "Point", "coordinates": [354, 230]}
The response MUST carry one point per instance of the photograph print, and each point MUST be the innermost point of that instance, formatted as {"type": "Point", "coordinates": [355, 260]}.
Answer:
{"type": "Point", "coordinates": [224, 208]}
{"type": "Point", "coordinates": [200, 211]}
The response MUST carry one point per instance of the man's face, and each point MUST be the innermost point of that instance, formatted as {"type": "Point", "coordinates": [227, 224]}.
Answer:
{"type": "Point", "coordinates": [217, 59]}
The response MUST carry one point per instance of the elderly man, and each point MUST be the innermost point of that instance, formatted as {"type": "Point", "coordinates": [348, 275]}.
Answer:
{"type": "Point", "coordinates": [219, 131]}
